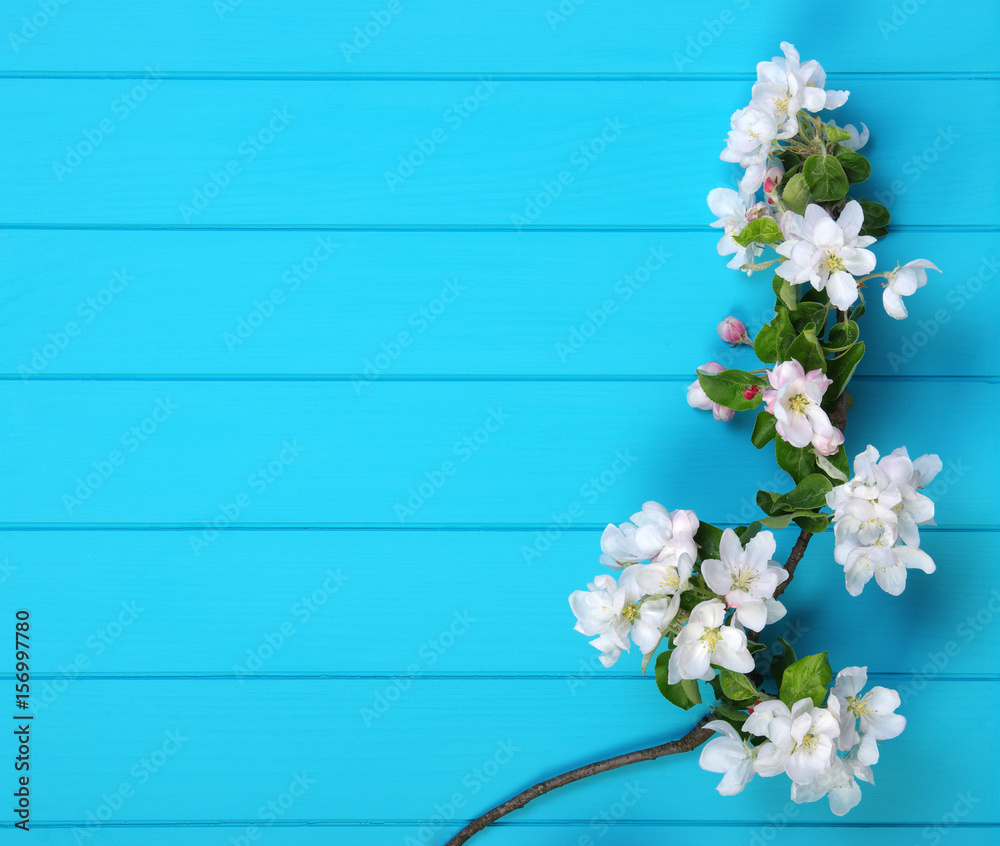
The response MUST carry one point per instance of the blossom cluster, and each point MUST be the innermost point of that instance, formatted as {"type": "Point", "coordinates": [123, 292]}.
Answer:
{"type": "Point", "coordinates": [823, 750]}
{"type": "Point", "coordinates": [876, 517]}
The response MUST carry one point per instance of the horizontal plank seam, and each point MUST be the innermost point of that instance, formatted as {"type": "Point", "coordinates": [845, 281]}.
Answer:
{"type": "Point", "coordinates": [986, 379]}
{"type": "Point", "coordinates": [368, 527]}
{"type": "Point", "coordinates": [511, 228]}
{"type": "Point", "coordinates": [359, 823]}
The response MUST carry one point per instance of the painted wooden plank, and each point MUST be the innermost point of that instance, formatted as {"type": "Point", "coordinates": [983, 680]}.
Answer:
{"type": "Point", "coordinates": [540, 36]}
{"type": "Point", "coordinates": [268, 603]}
{"type": "Point", "coordinates": [557, 304]}
{"type": "Point", "coordinates": [607, 831]}
{"type": "Point", "coordinates": [213, 750]}
{"type": "Point", "coordinates": [404, 453]}
{"type": "Point", "coordinates": [473, 152]}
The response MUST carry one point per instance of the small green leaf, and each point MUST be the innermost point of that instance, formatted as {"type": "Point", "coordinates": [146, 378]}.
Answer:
{"type": "Point", "coordinates": [829, 467]}
{"type": "Point", "coordinates": [809, 312]}
{"type": "Point", "coordinates": [808, 677]}
{"type": "Point", "coordinates": [876, 215]}
{"type": "Point", "coordinates": [808, 494]}
{"type": "Point", "coordinates": [767, 501]}
{"type": "Point", "coordinates": [684, 694]}
{"type": "Point", "coordinates": [752, 646]}
{"type": "Point", "coordinates": [786, 293]}
{"type": "Point", "coordinates": [806, 349]}
{"type": "Point", "coordinates": [780, 663]}
{"type": "Point", "coordinates": [766, 344]}
{"type": "Point", "coordinates": [795, 193]}
{"type": "Point", "coordinates": [737, 686]}
{"type": "Point", "coordinates": [763, 230]}
{"type": "Point", "coordinates": [825, 178]}
{"type": "Point", "coordinates": [841, 368]}
{"type": "Point", "coordinates": [748, 533]}
{"type": "Point", "coordinates": [835, 134]}
{"type": "Point", "coordinates": [844, 334]}
{"type": "Point", "coordinates": [727, 388]}
{"type": "Point", "coordinates": [763, 429]}
{"type": "Point", "coordinates": [796, 462]}
{"type": "Point", "coordinates": [778, 521]}
{"type": "Point", "coordinates": [856, 166]}
{"type": "Point", "coordinates": [814, 523]}
{"type": "Point", "coordinates": [708, 538]}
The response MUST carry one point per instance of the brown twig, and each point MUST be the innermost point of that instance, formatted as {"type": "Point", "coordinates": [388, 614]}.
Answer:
{"type": "Point", "coordinates": [794, 557]}
{"type": "Point", "coordinates": [839, 414]}
{"type": "Point", "coordinates": [691, 740]}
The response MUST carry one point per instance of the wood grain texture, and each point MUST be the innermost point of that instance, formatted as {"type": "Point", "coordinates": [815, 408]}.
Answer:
{"type": "Point", "coordinates": [530, 36]}
{"type": "Point", "coordinates": [236, 747]}
{"type": "Point", "coordinates": [132, 602]}
{"type": "Point", "coordinates": [335, 303]}
{"type": "Point", "coordinates": [210, 454]}
{"type": "Point", "coordinates": [520, 155]}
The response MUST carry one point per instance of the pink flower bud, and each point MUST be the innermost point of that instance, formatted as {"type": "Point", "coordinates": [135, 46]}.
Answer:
{"type": "Point", "coordinates": [733, 332]}
{"type": "Point", "coordinates": [771, 179]}
{"type": "Point", "coordinates": [751, 391]}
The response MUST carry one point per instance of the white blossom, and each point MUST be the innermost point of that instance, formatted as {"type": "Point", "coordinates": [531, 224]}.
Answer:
{"type": "Point", "coordinates": [837, 782]}
{"type": "Point", "coordinates": [735, 209]}
{"type": "Point", "coordinates": [875, 712]}
{"type": "Point", "coordinates": [858, 138]}
{"type": "Point", "coordinates": [751, 138]}
{"type": "Point", "coordinates": [746, 578]}
{"type": "Point", "coordinates": [730, 754]}
{"type": "Point", "coordinates": [826, 253]}
{"type": "Point", "coordinates": [795, 399]}
{"type": "Point", "coordinates": [801, 738]}
{"type": "Point", "coordinates": [902, 282]}
{"type": "Point", "coordinates": [706, 640]}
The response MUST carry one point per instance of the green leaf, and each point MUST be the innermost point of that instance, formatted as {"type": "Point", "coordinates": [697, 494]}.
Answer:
{"type": "Point", "coordinates": [726, 388]}
{"type": "Point", "coordinates": [812, 522]}
{"type": "Point", "coordinates": [763, 230]}
{"type": "Point", "coordinates": [876, 215]}
{"type": "Point", "coordinates": [780, 663]}
{"type": "Point", "coordinates": [806, 349]}
{"type": "Point", "coordinates": [767, 501]}
{"type": "Point", "coordinates": [797, 463]}
{"type": "Point", "coordinates": [795, 193]}
{"type": "Point", "coordinates": [784, 332]}
{"type": "Point", "coordinates": [808, 312]}
{"type": "Point", "coordinates": [737, 686]}
{"type": "Point", "coordinates": [825, 178]}
{"type": "Point", "coordinates": [835, 134]}
{"type": "Point", "coordinates": [684, 694]}
{"type": "Point", "coordinates": [748, 533]}
{"type": "Point", "coordinates": [808, 494]}
{"type": "Point", "coordinates": [778, 521]}
{"type": "Point", "coordinates": [763, 429]}
{"type": "Point", "coordinates": [856, 166]}
{"type": "Point", "coordinates": [753, 647]}
{"type": "Point", "coordinates": [708, 538]}
{"type": "Point", "coordinates": [842, 368]}
{"type": "Point", "coordinates": [786, 293]}
{"type": "Point", "coordinates": [879, 232]}
{"type": "Point", "coordinates": [808, 677]}
{"type": "Point", "coordinates": [765, 345]}
{"type": "Point", "coordinates": [844, 334]}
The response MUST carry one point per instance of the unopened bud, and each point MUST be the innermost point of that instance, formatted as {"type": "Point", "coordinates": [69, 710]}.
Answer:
{"type": "Point", "coordinates": [733, 332]}
{"type": "Point", "coordinates": [772, 179]}
{"type": "Point", "coordinates": [751, 392]}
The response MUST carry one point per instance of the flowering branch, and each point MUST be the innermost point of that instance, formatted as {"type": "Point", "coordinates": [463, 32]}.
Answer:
{"type": "Point", "coordinates": [693, 739]}
{"type": "Point", "coordinates": [705, 594]}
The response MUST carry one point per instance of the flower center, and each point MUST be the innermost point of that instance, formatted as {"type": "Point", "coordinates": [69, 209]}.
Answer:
{"type": "Point", "coordinates": [799, 403]}
{"type": "Point", "coordinates": [711, 638]}
{"type": "Point", "coordinates": [832, 263]}
{"type": "Point", "coordinates": [781, 104]}
{"type": "Point", "coordinates": [669, 581]}
{"type": "Point", "coordinates": [630, 611]}
{"type": "Point", "coordinates": [743, 578]}
{"type": "Point", "coordinates": [858, 707]}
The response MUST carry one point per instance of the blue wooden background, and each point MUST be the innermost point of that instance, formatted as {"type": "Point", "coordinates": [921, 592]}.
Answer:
{"type": "Point", "coordinates": [330, 288]}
